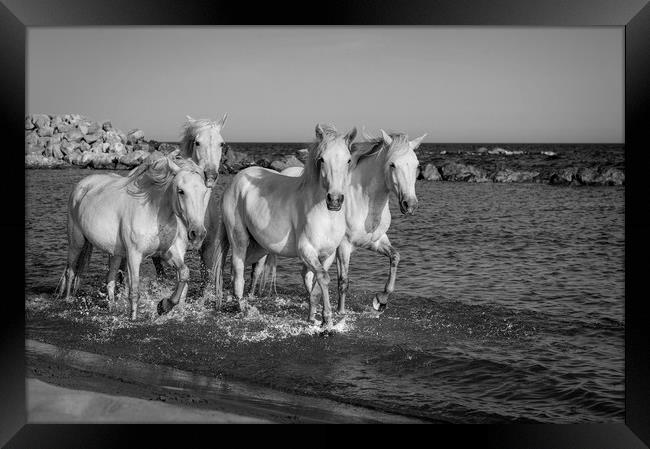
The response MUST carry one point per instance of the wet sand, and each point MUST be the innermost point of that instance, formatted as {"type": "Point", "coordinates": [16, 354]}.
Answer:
{"type": "Point", "coordinates": [66, 386]}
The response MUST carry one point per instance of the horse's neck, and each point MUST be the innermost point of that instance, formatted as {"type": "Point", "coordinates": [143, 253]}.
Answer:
{"type": "Point", "coordinates": [369, 179]}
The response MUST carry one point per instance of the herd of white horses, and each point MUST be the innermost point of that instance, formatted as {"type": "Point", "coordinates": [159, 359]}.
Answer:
{"type": "Point", "coordinates": [320, 213]}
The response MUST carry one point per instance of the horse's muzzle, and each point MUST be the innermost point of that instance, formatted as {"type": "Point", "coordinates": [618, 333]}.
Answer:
{"type": "Point", "coordinates": [408, 206]}
{"type": "Point", "coordinates": [334, 202]}
{"type": "Point", "coordinates": [211, 177]}
{"type": "Point", "coordinates": [195, 236]}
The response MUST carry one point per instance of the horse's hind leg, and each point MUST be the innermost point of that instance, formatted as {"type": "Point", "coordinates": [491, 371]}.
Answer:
{"type": "Point", "coordinates": [383, 246]}
{"type": "Point", "coordinates": [257, 270]}
{"type": "Point", "coordinates": [159, 266]}
{"type": "Point", "coordinates": [113, 267]}
{"type": "Point", "coordinates": [76, 243]}
{"type": "Point", "coordinates": [342, 266]}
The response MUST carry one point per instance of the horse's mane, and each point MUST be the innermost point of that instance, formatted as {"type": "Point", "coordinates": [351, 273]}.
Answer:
{"type": "Point", "coordinates": [375, 145]}
{"type": "Point", "coordinates": [154, 175]}
{"type": "Point", "coordinates": [316, 149]}
{"type": "Point", "coordinates": [190, 130]}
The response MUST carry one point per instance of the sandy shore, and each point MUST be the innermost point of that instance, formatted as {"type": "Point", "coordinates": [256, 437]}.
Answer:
{"type": "Point", "coordinates": [76, 386]}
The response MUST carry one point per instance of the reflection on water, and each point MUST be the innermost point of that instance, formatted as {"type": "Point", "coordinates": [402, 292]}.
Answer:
{"type": "Point", "coordinates": [508, 307]}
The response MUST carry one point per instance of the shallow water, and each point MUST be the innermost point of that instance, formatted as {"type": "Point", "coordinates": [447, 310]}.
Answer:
{"type": "Point", "coordinates": [508, 307]}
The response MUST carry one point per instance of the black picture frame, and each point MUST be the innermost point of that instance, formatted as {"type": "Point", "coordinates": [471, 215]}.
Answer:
{"type": "Point", "coordinates": [634, 15]}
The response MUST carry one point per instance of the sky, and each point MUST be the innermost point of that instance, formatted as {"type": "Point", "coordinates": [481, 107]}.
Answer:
{"type": "Point", "coordinates": [458, 84]}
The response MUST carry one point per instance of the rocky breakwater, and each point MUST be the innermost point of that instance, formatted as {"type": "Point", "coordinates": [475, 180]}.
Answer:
{"type": "Point", "coordinates": [516, 166]}
{"type": "Point", "coordinates": [58, 141]}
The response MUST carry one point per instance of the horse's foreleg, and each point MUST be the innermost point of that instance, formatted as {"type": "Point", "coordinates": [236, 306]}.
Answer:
{"type": "Point", "coordinates": [113, 266]}
{"type": "Point", "coordinates": [383, 246]}
{"type": "Point", "coordinates": [134, 259]}
{"type": "Point", "coordinates": [319, 269]}
{"type": "Point", "coordinates": [183, 276]}
{"type": "Point", "coordinates": [342, 266]}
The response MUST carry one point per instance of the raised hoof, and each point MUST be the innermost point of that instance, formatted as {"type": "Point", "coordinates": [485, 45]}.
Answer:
{"type": "Point", "coordinates": [377, 305]}
{"type": "Point", "coordinates": [341, 311]}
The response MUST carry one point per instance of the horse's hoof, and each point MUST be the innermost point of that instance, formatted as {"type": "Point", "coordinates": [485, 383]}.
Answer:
{"type": "Point", "coordinates": [378, 306]}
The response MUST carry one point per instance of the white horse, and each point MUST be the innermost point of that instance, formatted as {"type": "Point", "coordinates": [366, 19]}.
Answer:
{"type": "Point", "coordinates": [264, 212]}
{"type": "Point", "coordinates": [157, 209]}
{"type": "Point", "coordinates": [201, 141]}
{"type": "Point", "coordinates": [367, 209]}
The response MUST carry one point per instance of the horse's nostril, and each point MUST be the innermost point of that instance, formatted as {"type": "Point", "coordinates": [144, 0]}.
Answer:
{"type": "Point", "coordinates": [341, 198]}
{"type": "Point", "coordinates": [192, 235]}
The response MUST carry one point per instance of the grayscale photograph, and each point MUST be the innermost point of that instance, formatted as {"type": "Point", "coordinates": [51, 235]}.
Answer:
{"type": "Point", "coordinates": [325, 224]}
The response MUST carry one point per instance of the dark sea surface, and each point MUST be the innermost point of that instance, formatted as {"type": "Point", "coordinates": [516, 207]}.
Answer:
{"type": "Point", "coordinates": [508, 305]}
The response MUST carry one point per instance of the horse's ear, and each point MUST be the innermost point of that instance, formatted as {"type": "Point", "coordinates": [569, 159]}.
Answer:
{"type": "Point", "coordinates": [222, 121]}
{"type": "Point", "coordinates": [387, 139]}
{"type": "Point", "coordinates": [189, 119]}
{"type": "Point", "coordinates": [349, 137]}
{"type": "Point", "coordinates": [319, 131]}
{"type": "Point", "coordinates": [365, 134]}
{"type": "Point", "coordinates": [416, 142]}
{"type": "Point", "coordinates": [173, 166]}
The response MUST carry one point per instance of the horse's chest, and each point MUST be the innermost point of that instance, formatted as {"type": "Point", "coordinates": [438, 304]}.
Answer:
{"type": "Point", "coordinates": [368, 225]}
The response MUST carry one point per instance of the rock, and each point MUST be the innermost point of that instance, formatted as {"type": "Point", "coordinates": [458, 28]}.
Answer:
{"type": "Point", "coordinates": [96, 147]}
{"type": "Point", "coordinates": [103, 161]}
{"type": "Point", "coordinates": [83, 128]}
{"type": "Point", "coordinates": [564, 176]}
{"type": "Point", "coordinates": [65, 128]}
{"type": "Point", "coordinates": [612, 177]}
{"type": "Point", "coordinates": [112, 137]}
{"type": "Point", "coordinates": [28, 123]}
{"type": "Point", "coordinates": [43, 141]}
{"type": "Point", "coordinates": [443, 152]}
{"type": "Point", "coordinates": [167, 148]}
{"type": "Point", "coordinates": [68, 147]}
{"type": "Point", "coordinates": [154, 144]}
{"type": "Point", "coordinates": [302, 155]}
{"type": "Point", "coordinates": [115, 148]}
{"type": "Point", "coordinates": [57, 121]}
{"type": "Point", "coordinates": [286, 162]}
{"type": "Point", "coordinates": [74, 135]}
{"type": "Point", "coordinates": [93, 127]}
{"type": "Point", "coordinates": [45, 131]}
{"type": "Point", "coordinates": [550, 154]}
{"type": "Point", "coordinates": [133, 159]}
{"type": "Point", "coordinates": [107, 125]}
{"type": "Point", "coordinates": [33, 149]}
{"type": "Point", "coordinates": [55, 138]}
{"type": "Point", "coordinates": [31, 138]}
{"type": "Point", "coordinates": [91, 138]}
{"type": "Point", "coordinates": [263, 162]}
{"type": "Point", "coordinates": [588, 176]}
{"type": "Point", "coordinates": [84, 146]}
{"type": "Point", "coordinates": [501, 151]}
{"type": "Point", "coordinates": [75, 158]}
{"type": "Point", "coordinates": [38, 161]}
{"type": "Point", "coordinates": [509, 175]}
{"type": "Point", "coordinates": [454, 171]}
{"type": "Point", "coordinates": [142, 146]}
{"type": "Point", "coordinates": [234, 161]}
{"type": "Point", "coordinates": [134, 136]}
{"type": "Point", "coordinates": [121, 135]}
{"type": "Point", "coordinates": [56, 151]}
{"type": "Point", "coordinates": [482, 150]}
{"type": "Point", "coordinates": [41, 120]}
{"type": "Point", "coordinates": [431, 173]}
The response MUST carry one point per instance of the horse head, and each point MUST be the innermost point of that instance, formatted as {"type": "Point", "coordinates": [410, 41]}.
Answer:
{"type": "Point", "coordinates": [330, 160]}
{"type": "Point", "coordinates": [400, 169]}
{"type": "Point", "coordinates": [190, 198]}
{"type": "Point", "coordinates": [203, 143]}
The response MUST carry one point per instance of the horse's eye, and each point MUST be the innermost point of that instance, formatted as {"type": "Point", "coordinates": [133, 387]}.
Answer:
{"type": "Point", "coordinates": [349, 160]}
{"type": "Point", "coordinates": [392, 165]}
{"type": "Point", "coordinates": [180, 192]}
{"type": "Point", "coordinates": [197, 143]}
{"type": "Point", "coordinates": [321, 160]}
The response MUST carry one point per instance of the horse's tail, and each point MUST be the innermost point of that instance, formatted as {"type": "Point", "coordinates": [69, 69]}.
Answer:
{"type": "Point", "coordinates": [80, 266]}
{"type": "Point", "coordinates": [270, 265]}
{"type": "Point", "coordinates": [221, 246]}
